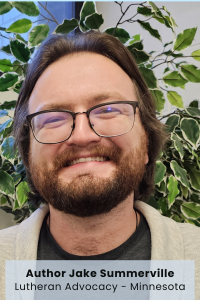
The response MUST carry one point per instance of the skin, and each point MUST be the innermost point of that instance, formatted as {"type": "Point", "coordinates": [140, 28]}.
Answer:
{"type": "Point", "coordinates": [78, 82]}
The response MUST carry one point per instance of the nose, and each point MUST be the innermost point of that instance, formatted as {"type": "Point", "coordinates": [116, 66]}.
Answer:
{"type": "Point", "coordinates": [83, 134]}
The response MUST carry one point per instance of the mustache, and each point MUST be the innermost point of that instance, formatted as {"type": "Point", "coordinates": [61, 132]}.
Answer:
{"type": "Point", "coordinates": [111, 153]}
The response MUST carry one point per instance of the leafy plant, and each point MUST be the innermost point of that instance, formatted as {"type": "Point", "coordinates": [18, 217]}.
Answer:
{"type": "Point", "coordinates": [177, 177]}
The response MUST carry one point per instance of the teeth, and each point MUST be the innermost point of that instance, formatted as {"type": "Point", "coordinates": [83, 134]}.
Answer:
{"type": "Point", "coordinates": [80, 160]}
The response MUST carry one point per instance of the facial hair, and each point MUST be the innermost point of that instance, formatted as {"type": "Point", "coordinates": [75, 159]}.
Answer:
{"type": "Point", "coordinates": [89, 194]}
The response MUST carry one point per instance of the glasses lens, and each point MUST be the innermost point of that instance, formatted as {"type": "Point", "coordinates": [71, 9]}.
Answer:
{"type": "Point", "coordinates": [112, 119]}
{"type": "Point", "coordinates": [52, 127]}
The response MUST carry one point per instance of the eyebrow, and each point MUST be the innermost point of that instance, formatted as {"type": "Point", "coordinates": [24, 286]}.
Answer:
{"type": "Point", "coordinates": [94, 99]}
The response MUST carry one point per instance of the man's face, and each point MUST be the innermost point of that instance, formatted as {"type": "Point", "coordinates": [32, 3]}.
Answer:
{"type": "Point", "coordinates": [78, 82]}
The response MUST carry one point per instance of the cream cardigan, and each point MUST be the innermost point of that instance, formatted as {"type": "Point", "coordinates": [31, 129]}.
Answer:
{"type": "Point", "coordinates": [169, 241]}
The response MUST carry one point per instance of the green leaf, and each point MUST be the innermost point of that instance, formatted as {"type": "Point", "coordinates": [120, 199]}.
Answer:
{"type": "Point", "coordinates": [194, 222]}
{"type": "Point", "coordinates": [159, 98]}
{"type": "Point", "coordinates": [190, 130]}
{"type": "Point", "coordinates": [135, 45]}
{"type": "Point", "coordinates": [184, 39]}
{"type": "Point", "coordinates": [16, 205]}
{"type": "Point", "coordinates": [159, 172]}
{"type": "Point", "coordinates": [154, 6]}
{"type": "Point", "coordinates": [5, 125]}
{"type": "Point", "coordinates": [20, 38]}
{"type": "Point", "coordinates": [5, 65]}
{"type": "Point", "coordinates": [149, 65]}
{"type": "Point", "coordinates": [176, 218]}
{"type": "Point", "coordinates": [174, 79]}
{"type": "Point", "coordinates": [178, 145]}
{"type": "Point", "coordinates": [166, 70]}
{"type": "Point", "coordinates": [195, 198]}
{"type": "Point", "coordinates": [140, 56]}
{"type": "Point", "coordinates": [3, 113]}
{"type": "Point", "coordinates": [172, 21]}
{"type": "Point", "coordinates": [7, 80]}
{"type": "Point", "coordinates": [7, 148]}
{"type": "Point", "coordinates": [179, 173]}
{"type": "Point", "coordinates": [17, 87]}
{"type": "Point", "coordinates": [94, 21]}
{"type": "Point", "coordinates": [20, 168]}
{"type": "Point", "coordinates": [21, 192]}
{"type": "Point", "coordinates": [6, 183]}
{"type": "Point", "coordinates": [196, 55]}
{"type": "Point", "coordinates": [159, 19]}
{"type": "Point", "coordinates": [136, 38]}
{"type": "Point", "coordinates": [16, 178]}
{"type": "Point", "coordinates": [166, 44]}
{"type": "Point", "coordinates": [26, 7]}
{"type": "Point", "coordinates": [88, 8]}
{"type": "Point", "coordinates": [38, 34]}
{"type": "Point", "coordinates": [67, 26]}
{"type": "Point", "coordinates": [184, 191]}
{"type": "Point", "coordinates": [163, 205]}
{"type": "Point", "coordinates": [162, 187]}
{"type": "Point", "coordinates": [5, 7]}
{"type": "Point", "coordinates": [149, 77]}
{"type": "Point", "coordinates": [20, 51]}
{"type": "Point", "coordinates": [175, 99]}
{"type": "Point", "coordinates": [119, 33]}
{"type": "Point", "coordinates": [194, 176]}
{"type": "Point", "coordinates": [152, 201]}
{"type": "Point", "coordinates": [193, 111]}
{"type": "Point", "coordinates": [153, 32]}
{"type": "Point", "coordinates": [191, 72]}
{"type": "Point", "coordinates": [6, 49]}
{"type": "Point", "coordinates": [173, 190]}
{"type": "Point", "coordinates": [194, 103]}
{"type": "Point", "coordinates": [3, 200]}
{"type": "Point", "coordinates": [20, 26]}
{"type": "Point", "coordinates": [170, 53]}
{"type": "Point", "coordinates": [17, 67]}
{"type": "Point", "coordinates": [145, 11]}
{"type": "Point", "coordinates": [191, 210]}
{"type": "Point", "coordinates": [8, 104]}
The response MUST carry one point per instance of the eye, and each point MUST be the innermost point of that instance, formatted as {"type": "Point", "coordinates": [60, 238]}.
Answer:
{"type": "Point", "coordinates": [107, 110]}
{"type": "Point", "coordinates": [52, 120]}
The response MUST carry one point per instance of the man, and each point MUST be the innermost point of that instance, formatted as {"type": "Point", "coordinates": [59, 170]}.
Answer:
{"type": "Point", "coordinates": [86, 129]}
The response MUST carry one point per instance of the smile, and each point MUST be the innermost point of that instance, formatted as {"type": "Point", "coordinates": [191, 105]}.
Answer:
{"type": "Point", "coordinates": [87, 159]}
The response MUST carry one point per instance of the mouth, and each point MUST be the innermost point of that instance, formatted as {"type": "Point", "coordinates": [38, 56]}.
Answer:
{"type": "Point", "coordinates": [87, 159]}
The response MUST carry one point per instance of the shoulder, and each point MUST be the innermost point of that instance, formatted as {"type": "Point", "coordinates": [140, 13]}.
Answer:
{"type": "Point", "coordinates": [22, 235]}
{"type": "Point", "coordinates": [181, 238]}
{"type": "Point", "coordinates": [7, 239]}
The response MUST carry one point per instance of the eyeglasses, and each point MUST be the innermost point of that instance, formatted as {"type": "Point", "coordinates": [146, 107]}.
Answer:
{"type": "Point", "coordinates": [106, 120]}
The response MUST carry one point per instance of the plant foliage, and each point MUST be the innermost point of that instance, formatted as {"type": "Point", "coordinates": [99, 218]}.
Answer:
{"type": "Point", "coordinates": [177, 176]}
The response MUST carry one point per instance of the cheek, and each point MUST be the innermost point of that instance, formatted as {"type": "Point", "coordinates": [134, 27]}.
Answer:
{"type": "Point", "coordinates": [41, 153]}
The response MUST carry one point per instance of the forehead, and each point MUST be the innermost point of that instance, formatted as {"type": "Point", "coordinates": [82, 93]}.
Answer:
{"type": "Point", "coordinates": [80, 81]}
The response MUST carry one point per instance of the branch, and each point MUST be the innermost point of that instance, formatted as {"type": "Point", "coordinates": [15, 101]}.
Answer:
{"type": "Point", "coordinates": [47, 18]}
{"type": "Point", "coordinates": [49, 12]}
{"type": "Point", "coordinates": [4, 36]}
{"type": "Point", "coordinates": [163, 117]}
{"type": "Point", "coordinates": [123, 13]}
{"type": "Point", "coordinates": [39, 21]}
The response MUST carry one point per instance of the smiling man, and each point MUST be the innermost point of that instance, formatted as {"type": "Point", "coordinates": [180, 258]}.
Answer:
{"type": "Point", "coordinates": [86, 129]}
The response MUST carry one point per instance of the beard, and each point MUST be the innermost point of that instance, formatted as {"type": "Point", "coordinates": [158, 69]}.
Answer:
{"type": "Point", "coordinates": [89, 194]}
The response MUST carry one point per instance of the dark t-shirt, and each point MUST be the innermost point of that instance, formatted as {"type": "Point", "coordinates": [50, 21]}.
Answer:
{"type": "Point", "coordinates": [137, 247]}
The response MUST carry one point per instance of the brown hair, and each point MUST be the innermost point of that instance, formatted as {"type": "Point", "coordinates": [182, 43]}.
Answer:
{"type": "Point", "coordinates": [57, 46]}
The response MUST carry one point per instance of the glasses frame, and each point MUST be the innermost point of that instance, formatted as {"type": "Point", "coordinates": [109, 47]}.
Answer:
{"type": "Point", "coordinates": [73, 114]}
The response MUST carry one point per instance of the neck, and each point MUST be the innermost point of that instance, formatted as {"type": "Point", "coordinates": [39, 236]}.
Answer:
{"type": "Point", "coordinates": [94, 235]}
